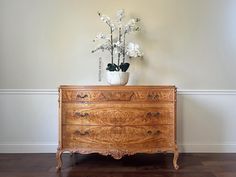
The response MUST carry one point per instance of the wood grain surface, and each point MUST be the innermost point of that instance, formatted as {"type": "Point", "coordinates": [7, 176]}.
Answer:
{"type": "Point", "coordinates": [117, 121]}
{"type": "Point", "coordinates": [102, 94]}
{"type": "Point", "coordinates": [118, 114]}
{"type": "Point", "coordinates": [118, 138]}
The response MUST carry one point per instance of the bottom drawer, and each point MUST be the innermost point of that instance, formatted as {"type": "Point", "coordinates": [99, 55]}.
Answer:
{"type": "Point", "coordinates": [126, 138]}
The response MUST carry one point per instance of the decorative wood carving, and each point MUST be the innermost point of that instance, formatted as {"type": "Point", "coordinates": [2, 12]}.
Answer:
{"type": "Point", "coordinates": [117, 121]}
{"type": "Point", "coordinates": [117, 95]}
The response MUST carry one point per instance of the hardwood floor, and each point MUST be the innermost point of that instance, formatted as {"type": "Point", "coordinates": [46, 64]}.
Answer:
{"type": "Point", "coordinates": [141, 165]}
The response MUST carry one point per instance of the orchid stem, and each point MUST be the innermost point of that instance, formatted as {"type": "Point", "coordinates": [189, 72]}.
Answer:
{"type": "Point", "coordinates": [124, 50]}
{"type": "Point", "coordinates": [111, 47]}
{"type": "Point", "coordinates": [119, 42]}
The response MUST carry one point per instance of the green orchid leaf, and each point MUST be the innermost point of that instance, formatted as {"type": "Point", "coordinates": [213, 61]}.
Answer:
{"type": "Point", "coordinates": [112, 67]}
{"type": "Point", "coordinates": [124, 67]}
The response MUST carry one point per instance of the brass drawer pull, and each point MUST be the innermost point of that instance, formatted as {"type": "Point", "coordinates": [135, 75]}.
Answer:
{"type": "Point", "coordinates": [153, 114]}
{"type": "Point", "coordinates": [158, 132]}
{"type": "Point", "coordinates": [78, 114]}
{"type": "Point", "coordinates": [79, 133]}
{"type": "Point", "coordinates": [82, 96]}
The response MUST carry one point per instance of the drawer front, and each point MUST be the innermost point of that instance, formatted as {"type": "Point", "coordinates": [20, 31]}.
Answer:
{"type": "Point", "coordinates": [118, 114]}
{"type": "Point", "coordinates": [146, 95]}
{"type": "Point", "coordinates": [140, 138]}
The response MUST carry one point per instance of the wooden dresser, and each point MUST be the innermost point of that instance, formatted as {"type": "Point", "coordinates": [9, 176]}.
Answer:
{"type": "Point", "coordinates": [117, 120]}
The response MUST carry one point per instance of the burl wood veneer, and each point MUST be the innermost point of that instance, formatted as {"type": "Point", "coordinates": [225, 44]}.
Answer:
{"type": "Point", "coordinates": [117, 120]}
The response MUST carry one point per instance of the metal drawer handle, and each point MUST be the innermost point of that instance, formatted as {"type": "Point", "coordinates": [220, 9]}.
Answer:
{"type": "Point", "coordinates": [158, 132]}
{"type": "Point", "coordinates": [78, 114]}
{"type": "Point", "coordinates": [153, 114]}
{"type": "Point", "coordinates": [82, 96]}
{"type": "Point", "coordinates": [79, 133]}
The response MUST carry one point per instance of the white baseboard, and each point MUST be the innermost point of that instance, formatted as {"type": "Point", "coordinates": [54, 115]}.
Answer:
{"type": "Point", "coordinates": [28, 148]}
{"type": "Point", "coordinates": [207, 148]}
{"type": "Point", "coordinates": [51, 148]}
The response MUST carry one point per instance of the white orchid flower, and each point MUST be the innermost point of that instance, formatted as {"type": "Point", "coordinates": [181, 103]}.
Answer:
{"type": "Point", "coordinates": [119, 25]}
{"type": "Point", "coordinates": [107, 20]}
{"type": "Point", "coordinates": [105, 46]}
{"type": "Point", "coordinates": [101, 36]}
{"type": "Point", "coordinates": [116, 43]}
{"type": "Point", "coordinates": [131, 25]}
{"type": "Point", "coordinates": [120, 14]}
{"type": "Point", "coordinates": [118, 47]}
{"type": "Point", "coordinates": [112, 26]}
{"type": "Point", "coordinates": [133, 50]}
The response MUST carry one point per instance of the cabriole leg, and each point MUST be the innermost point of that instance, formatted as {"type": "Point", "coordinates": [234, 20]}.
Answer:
{"type": "Point", "coordinates": [59, 160]}
{"type": "Point", "coordinates": [175, 159]}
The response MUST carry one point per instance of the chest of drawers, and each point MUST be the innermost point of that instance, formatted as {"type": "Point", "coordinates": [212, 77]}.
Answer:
{"type": "Point", "coordinates": [117, 120]}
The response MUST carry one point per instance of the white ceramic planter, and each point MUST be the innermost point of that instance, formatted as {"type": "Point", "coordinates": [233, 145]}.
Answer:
{"type": "Point", "coordinates": [117, 77]}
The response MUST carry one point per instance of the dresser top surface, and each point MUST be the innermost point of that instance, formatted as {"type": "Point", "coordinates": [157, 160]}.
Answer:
{"type": "Point", "coordinates": [129, 87]}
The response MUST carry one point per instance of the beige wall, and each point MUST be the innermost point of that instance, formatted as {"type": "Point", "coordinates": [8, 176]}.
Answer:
{"type": "Point", "coordinates": [190, 43]}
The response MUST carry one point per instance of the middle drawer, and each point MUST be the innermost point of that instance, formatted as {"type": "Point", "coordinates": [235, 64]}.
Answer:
{"type": "Point", "coordinates": [118, 114]}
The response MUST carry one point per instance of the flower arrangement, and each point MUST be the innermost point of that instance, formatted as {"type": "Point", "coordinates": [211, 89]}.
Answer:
{"type": "Point", "coordinates": [116, 43]}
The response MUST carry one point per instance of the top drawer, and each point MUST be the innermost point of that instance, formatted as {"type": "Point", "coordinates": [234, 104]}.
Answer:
{"type": "Point", "coordinates": [139, 95]}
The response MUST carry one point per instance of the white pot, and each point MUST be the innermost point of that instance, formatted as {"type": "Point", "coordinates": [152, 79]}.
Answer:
{"type": "Point", "coordinates": [117, 77]}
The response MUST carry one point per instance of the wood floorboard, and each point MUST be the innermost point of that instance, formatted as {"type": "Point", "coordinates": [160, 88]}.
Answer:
{"type": "Point", "coordinates": [140, 165]}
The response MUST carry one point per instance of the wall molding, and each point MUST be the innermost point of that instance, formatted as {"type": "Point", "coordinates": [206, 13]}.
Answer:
{"type": "Point", "coordinates": [28, 91]}
{"type": "Point", "coordinates": [206, 92]}
{"type": "Point", "coordinates": [28, 148]}
{"type": "Point", "coordinates": [55, 92]}
{"type": "Point", "coordinates": [207, 148]}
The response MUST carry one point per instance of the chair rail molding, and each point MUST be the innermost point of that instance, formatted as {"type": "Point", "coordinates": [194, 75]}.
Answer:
{"type": "Point", "coordinates": [179, 91]}
{"type": "Point", "coordinates": [28, 91]}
